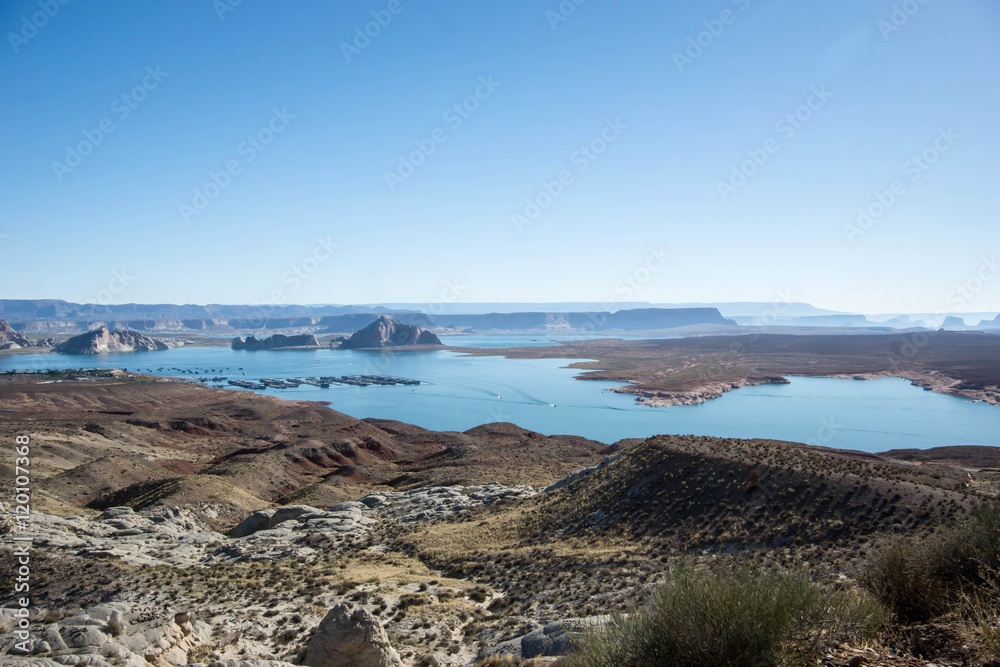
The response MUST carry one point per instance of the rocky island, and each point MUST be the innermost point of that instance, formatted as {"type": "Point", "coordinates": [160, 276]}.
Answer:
{"type": "Point", "coordinates": [389, 332]}
{"type": "Point", "coordinates": [102, 340]}
{"type": "Point", "coordinates": [275, 342]}
{"type": "Point", "coordinates": [10, 339]}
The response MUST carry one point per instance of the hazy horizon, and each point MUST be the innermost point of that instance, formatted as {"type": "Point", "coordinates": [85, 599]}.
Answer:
{"type": "Point", "coordinates": [777, 309]}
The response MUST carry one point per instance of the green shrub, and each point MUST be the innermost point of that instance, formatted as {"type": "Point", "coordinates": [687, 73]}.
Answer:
{"type": "Point", "coordinates": [900, 575]}
{"type": "Point", "coordinates": [734, 617]}
{"type": "Point", "coordinates": [919, 578]}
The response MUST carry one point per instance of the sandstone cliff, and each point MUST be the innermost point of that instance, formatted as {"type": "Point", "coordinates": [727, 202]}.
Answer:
{"type": "Point", "coordinates": [103, 340]}
{"type": "Point", "coordinates": [387, 332]}
{"type": "Point", "coordinates": [10, 339]}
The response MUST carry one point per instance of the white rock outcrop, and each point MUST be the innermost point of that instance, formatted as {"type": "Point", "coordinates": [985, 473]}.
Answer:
{"type": "Point", "coordinates": [350, 638]}
{"type": "Point", "coordinates": [115, 633]}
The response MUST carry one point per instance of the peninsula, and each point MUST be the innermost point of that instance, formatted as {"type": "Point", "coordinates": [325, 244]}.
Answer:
{"type": "Point", "coordinates": [685, 371]}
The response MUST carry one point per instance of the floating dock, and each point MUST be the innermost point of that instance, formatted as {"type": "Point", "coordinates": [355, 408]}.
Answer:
{"type": "Point", "coordinates": [323, 382]}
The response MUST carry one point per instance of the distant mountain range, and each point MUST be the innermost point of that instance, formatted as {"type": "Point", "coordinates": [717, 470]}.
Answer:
{"type": "Point", "coordinates": [955, 321]}
{"type": "Point", "coordinates": [624, 320]}
{"type": "Point", "coordinates": [63, 317]}
{"type": "Point", "coordinates": [55, 309]}
{"type": "Point", "coordinates": [746, 313]}
{"type": "Point", "coordinates": [727, 309]}
{"type": "Point", "coordinates": [52, 316]}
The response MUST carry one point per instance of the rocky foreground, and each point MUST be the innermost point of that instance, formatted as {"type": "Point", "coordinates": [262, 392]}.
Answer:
{"type": "Point", "coordinates": [177, 525]}
{"type": "Point", "coordinates": [143, 627]}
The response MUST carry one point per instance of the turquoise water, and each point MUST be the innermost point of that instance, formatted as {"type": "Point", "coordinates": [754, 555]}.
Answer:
{"type": "Point", "coordinates": [461, 392]}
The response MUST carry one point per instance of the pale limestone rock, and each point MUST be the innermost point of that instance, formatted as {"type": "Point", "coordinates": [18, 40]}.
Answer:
{"type": "Point", "coordinates": [350, 638]}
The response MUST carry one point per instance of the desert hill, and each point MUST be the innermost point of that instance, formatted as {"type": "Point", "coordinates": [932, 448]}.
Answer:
{"type": "Point", "coordinates": [120, 442]}
{"type": "Point", "coordinates": [584, 544]}
{"type": "Point", "coordinates": [722, 494]}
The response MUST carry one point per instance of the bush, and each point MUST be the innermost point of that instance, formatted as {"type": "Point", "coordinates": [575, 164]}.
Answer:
{"type": "Point", "coordinates": [899, 574]}
{"type": "Point", "coordinates": [735, 617]}
{"type": "Point", "coordinates": [919, 578]}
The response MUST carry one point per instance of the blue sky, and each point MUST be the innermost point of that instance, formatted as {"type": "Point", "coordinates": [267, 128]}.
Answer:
{"type": "Point", "coordinates": [328, 211]}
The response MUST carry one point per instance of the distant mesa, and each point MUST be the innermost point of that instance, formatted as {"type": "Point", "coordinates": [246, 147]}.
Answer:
{"type": "Point", "coordinates": [102, 340]}
{"type": "Point", "coordinates": [952, 323]}
{"type": "Point", "coordinates": [275, 342]}
{"type": "Point", "coordinates": [904, 322]}
{"type": "Point", "coordinates": [843, 321]}
{"type": "Point", "coordinates": [387, 332]}
{"type": "Point", "coordinates": [990, 324]}
{"type": "Point", "coordinates": [635, 319]}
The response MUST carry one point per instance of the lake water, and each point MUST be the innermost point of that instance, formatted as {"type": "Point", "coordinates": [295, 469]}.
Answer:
{"type": "Point", "coordinates": [461, 392]}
